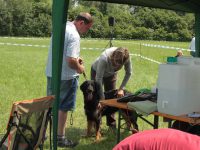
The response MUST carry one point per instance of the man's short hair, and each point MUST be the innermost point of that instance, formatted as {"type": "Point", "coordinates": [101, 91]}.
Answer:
{"type": "Point", "coordinates": [85, 17]}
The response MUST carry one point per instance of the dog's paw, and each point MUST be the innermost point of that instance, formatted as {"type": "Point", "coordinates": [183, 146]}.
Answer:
{"type": "Point", "coordinates": [98, 137]}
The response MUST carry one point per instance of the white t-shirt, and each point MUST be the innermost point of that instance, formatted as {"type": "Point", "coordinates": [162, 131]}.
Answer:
{"type": "Point", "coordinates": [71, 49]}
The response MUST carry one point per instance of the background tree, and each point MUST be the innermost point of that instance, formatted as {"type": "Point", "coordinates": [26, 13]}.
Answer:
{"type": "Point", "coordinates": [33, 18]}
{"type": "Point", "coordinates": [5, 19]}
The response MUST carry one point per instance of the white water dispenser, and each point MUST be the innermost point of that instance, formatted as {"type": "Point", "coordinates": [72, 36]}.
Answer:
{"type": "Point", "coordinates": [179, 87]}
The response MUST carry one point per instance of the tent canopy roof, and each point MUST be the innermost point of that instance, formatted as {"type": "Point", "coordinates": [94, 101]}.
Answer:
{"type": "Point", "coordinates": [192, 6]}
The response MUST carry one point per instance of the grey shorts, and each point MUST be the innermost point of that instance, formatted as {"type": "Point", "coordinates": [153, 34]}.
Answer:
{"type": "Point", "coordinates": [68, 90]}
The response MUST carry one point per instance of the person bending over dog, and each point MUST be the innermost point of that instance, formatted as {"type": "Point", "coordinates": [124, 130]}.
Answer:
{"type": "Point", "coordinates": [104, 71]}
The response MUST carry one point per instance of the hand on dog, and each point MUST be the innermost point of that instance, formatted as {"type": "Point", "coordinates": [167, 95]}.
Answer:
{"type": "Point", "coordinates": [99, 106]}
{"type": "Point", "coordinates": [120, 93]}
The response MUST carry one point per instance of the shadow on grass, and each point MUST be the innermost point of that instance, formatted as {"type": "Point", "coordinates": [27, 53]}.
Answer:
{"type": "Point", "coordinates": [107, 142]}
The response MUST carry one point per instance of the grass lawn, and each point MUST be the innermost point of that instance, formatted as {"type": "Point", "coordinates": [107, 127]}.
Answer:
{"type": "Point", "coordinates": [23, 77]}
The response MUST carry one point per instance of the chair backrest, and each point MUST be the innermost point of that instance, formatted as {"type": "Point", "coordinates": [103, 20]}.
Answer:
{"type": "Point", "coordinates": [28, 123]}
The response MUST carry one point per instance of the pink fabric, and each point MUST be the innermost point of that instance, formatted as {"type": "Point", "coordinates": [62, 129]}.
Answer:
{"type": "Point", "coordinates": [160, 139]}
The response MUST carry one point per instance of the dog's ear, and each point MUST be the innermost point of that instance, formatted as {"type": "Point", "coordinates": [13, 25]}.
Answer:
{"type": "Point", "coordinates": [83, 86]}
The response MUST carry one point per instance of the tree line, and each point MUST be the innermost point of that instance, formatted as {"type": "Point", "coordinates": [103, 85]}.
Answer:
{"type": "Point", "coordinates": [33, 18]}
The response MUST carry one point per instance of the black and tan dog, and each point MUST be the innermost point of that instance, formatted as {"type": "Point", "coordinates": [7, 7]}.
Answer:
{"type": "Point", "coordinates": [91, 92]}
{"type": "Point", "coordinates": [92, 96]}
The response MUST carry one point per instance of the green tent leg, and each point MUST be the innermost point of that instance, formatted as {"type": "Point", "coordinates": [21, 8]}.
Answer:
{"type": "Point", "coordinates": [197, 34]}
{"type": "Point", "coordinates": [59, 17]}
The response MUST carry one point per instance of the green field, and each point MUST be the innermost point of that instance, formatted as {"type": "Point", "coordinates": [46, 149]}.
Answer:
{"type": "Point", "coordinates": [23, 77]}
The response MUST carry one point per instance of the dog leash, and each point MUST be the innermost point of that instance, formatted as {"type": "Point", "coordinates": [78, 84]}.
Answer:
{"type": "Point", "coordinates": [71, 118]}
{"type": "Point", "coordinates": [84, 75]}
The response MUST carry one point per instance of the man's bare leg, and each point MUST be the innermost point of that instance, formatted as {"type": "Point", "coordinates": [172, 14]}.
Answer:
{"type": "Point", "coordinates": [62, 119]}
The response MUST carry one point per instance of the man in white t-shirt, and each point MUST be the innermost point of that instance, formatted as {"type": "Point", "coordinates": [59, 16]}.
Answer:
{"type": "Point", "coordinates": [72, 66]}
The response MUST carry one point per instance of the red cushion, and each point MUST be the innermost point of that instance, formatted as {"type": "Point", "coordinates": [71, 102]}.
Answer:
{"type": "Point", "coordinates": [160, 139]}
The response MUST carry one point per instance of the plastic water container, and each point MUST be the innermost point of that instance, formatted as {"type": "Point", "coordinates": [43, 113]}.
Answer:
{"type": "Point", "coordinates": [188, 60]}
{"type": "Point", "coordinates": [179, 88]}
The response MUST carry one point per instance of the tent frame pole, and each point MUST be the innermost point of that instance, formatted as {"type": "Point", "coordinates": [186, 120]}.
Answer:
{"type": "Point", "coordinates": [197, 34]}
{"type": "Point", "coordinates": [59, 18]}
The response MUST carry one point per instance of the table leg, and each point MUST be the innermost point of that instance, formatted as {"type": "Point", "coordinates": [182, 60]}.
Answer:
{"type": "Point", "coordinates": [156, 119]}
{"type": "Point", "coordinates": [119, 126]}
{"type": "Point", "coordinates": [170, 124]}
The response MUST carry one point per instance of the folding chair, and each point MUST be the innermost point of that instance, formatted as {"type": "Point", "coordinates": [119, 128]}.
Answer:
{"type": "Point", "coordinates": [27, 124]}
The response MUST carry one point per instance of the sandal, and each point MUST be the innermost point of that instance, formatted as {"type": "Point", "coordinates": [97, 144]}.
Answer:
{"type": "Point", "coordinates": [64, 142]}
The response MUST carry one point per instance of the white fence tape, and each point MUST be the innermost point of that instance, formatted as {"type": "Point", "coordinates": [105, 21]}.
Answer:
{"type": "Point", "coordinates": [146, 58]}
{"type": "Point", "coordinates": [29, 45]}
{"type": "Point", "coordinates": [84, 48]}
{"type": "Point", "coordinates": [165, 47]}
